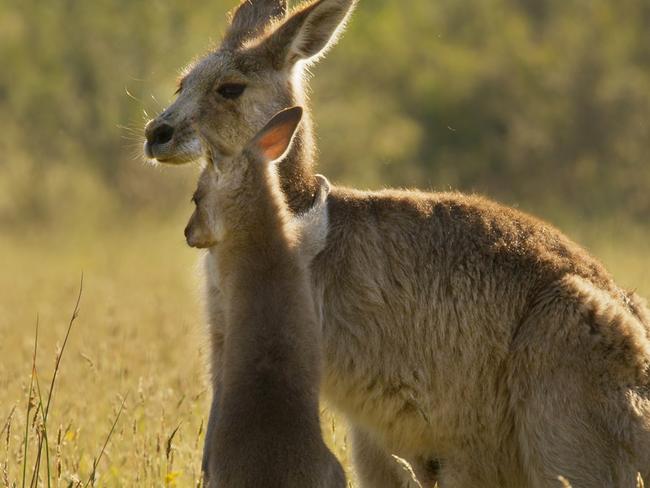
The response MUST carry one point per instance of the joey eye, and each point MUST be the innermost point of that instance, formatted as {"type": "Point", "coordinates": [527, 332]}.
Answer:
{"type": "Point", "coordinates": [231, 91]}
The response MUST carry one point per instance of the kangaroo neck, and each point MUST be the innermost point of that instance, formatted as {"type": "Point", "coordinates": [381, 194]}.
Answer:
{"type": "Point", "coordinates": [296, 174]}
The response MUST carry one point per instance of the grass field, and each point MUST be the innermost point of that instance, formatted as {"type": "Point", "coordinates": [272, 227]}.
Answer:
{"type": "Point", "coordinates": [137, 340]}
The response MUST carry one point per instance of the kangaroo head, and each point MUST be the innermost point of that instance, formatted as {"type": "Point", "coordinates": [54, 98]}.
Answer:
{"type": "Point", "coordinates": [254, 73]}
{"type": "Point", "coordinates": [230, 187]}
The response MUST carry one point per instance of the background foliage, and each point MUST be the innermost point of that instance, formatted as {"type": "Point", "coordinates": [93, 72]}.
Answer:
{"type": "Point", "coordinates": [543, 104]}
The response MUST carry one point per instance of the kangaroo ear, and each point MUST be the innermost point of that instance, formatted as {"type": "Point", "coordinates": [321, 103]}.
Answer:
{"type": "Point", "coordinates": [309, 32]}
{"type": "Point", "coordinates": [251, 18]}
{"type": "Point", "coordinates": [274, 140]}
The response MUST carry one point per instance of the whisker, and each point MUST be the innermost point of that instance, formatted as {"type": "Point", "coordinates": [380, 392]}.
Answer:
{"type": "Point", "coordinates": [133, 140]}
{"type": "Point", "coordinates": [128, 93]}
{"type": "Point", "coordinates": [156, 100]}
{"type": "Point", "coordinates": [130, 130]}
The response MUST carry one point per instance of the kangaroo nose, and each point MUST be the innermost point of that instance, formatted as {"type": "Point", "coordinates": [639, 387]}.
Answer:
{"type": "Point", "coordinates": [159, 135]}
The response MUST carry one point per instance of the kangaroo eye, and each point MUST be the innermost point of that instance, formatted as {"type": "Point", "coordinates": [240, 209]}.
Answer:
{"type": "Point", "coordinates": [179, 86]}
{"type": "Point", "coordinates": [231, 91]}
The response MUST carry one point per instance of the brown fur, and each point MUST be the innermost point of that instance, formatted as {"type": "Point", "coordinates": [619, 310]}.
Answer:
{"type": "Point", "coordinates": [268, 431]}
{"type": "Point", "coordinates": [509, 327]}
{"type": "Point", "coordinates": [454, 329]}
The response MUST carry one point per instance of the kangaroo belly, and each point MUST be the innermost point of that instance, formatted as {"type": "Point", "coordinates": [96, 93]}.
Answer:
{"type": "Point", "coordinates": [388, 407]}
{"type": "Point", "coordinates": [423, 383]}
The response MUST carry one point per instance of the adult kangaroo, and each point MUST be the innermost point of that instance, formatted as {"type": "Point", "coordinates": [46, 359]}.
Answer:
{"type": "Point", "coordinates": [476, 342]}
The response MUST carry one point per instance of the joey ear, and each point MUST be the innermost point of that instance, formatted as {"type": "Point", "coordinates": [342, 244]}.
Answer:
{"type": "Point", "coordinates": [309, 32]}
{"type": "Point", "coordinates": [274, 140]}
{"type": "Point", "coordinates": [251, 18]}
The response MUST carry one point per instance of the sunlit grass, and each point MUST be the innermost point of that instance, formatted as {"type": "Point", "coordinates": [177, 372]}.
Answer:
{"type": "Point", "coordinates": [137, 335]}
{"type": "Point", "coordinates": [138, 339]}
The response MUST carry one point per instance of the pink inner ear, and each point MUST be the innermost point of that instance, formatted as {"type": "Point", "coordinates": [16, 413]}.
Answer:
{"type": "Point", "coordinates": [274, 142]}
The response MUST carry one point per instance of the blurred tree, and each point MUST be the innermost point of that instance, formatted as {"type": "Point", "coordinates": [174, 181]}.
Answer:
{"type": "Point", "coordinates": [541, 102]}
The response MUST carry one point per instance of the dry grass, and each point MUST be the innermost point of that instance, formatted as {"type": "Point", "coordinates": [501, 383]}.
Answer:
{"type": "Point", "coordinates": [133, 362]}
{"type": "Point", "coordinates": [136, 347]}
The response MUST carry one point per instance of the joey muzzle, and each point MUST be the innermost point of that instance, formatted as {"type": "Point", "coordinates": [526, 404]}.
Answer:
{"type": "Point", "coordinates": [197, 237]}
